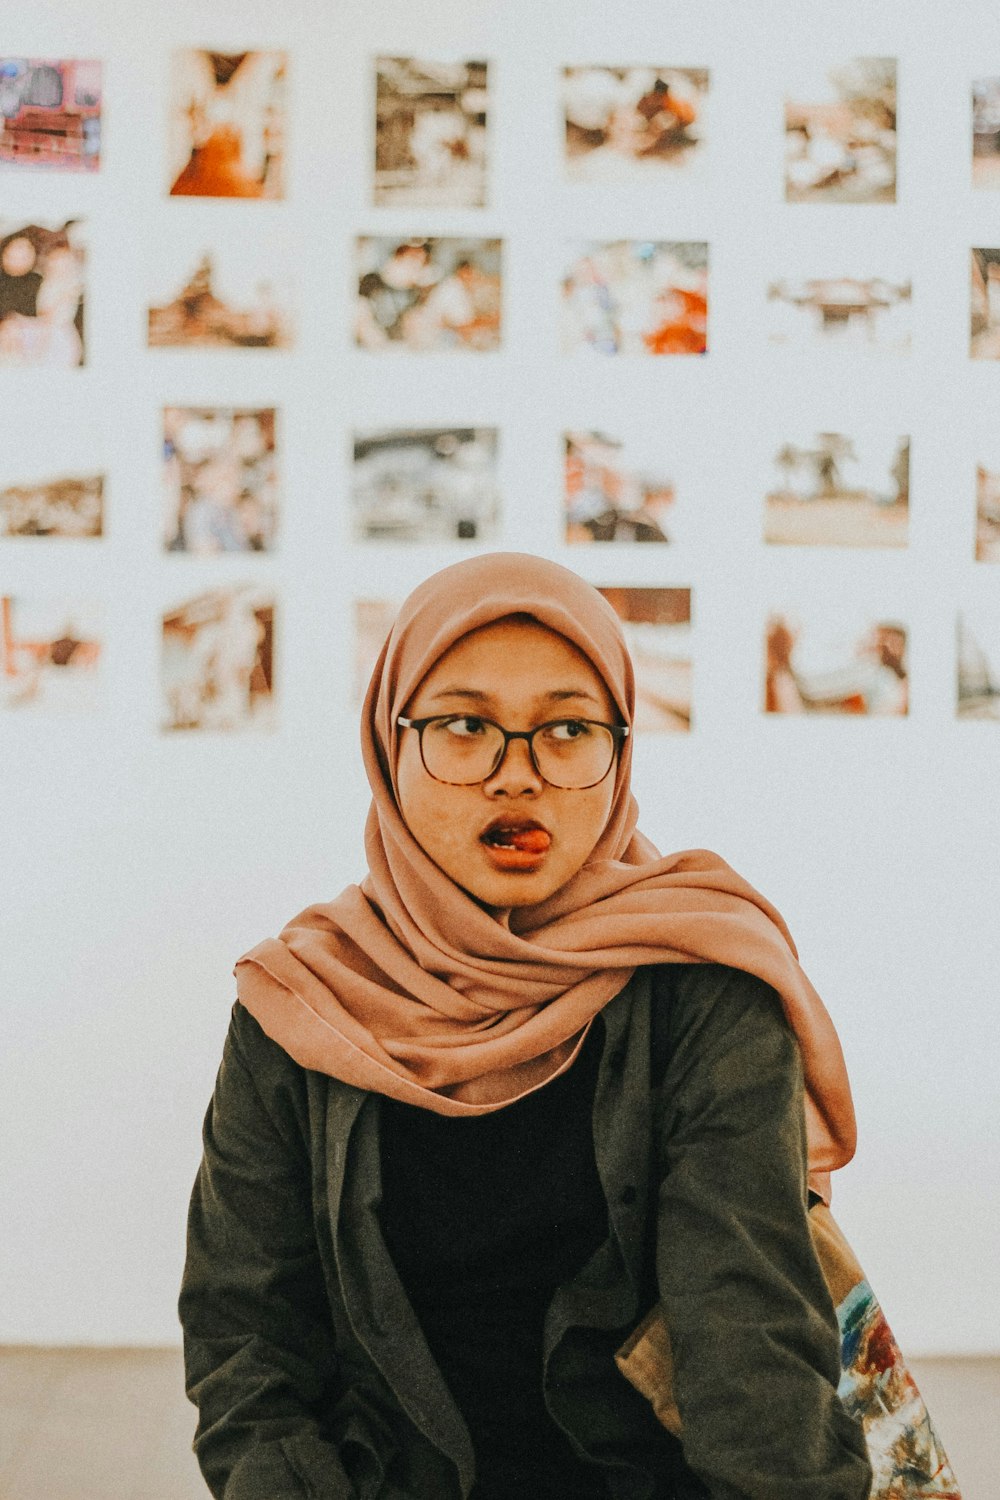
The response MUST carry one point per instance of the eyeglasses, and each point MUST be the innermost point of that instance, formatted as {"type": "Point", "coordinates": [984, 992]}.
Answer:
{"type": "Point", "coordinates": [463, 749]}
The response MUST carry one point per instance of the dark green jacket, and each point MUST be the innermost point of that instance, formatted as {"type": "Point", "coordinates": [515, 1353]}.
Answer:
{"type": "Point", "coordinates": [306, 1362]}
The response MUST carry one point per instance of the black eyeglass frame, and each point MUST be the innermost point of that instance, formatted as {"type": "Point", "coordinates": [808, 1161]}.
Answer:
{"type": "Point", "coordinates": [618, 732]}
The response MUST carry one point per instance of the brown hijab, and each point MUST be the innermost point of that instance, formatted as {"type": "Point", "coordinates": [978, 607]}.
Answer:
{"type": "Point", "coordinates": [407, 986]}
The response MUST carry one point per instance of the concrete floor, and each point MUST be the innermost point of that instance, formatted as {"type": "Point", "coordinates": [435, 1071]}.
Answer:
{"type": "Point", "coordinates": [114, 1424]}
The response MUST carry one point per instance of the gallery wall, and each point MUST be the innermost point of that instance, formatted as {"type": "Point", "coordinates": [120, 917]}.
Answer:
{"type": "Point", "coordinates": [298, 306]}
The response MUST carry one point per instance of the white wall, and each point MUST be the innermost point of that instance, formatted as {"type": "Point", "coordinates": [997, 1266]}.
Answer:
{"type": "Point", "coordinates": [137, 866]}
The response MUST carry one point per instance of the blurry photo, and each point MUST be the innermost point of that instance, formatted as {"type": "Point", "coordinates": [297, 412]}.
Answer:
{"type": "Point", "coordinates": [41, 294]}
{"type": "Point", "coordinates": [657, 627]}
{"type": "Point", "coordinates": [979, 663]}
{"type": "Point", "coordinates": [428, 296]}
{"type": "Point", "coordinates": [842, 312]}
{"type": "Point", "coordinates": [834, 490]}
{"type": "Point", "coordinates": [840, 133]}
{"type": "Point", "coordinates": [226, 135]}
{"type": "Point", "coordinates": [220, 479]}
{"type": "Point", "coordinates": [49, 653]}
{"type": "Point", "coordinates": [617, 491]}
{"type": "Point", "coordinates": [230, 300]}
{"type": "Point", "coordinates": [633, 124]}
{"type": "Point", "coordinates": [988, 511]}
{"type": "Point", "coordinates": [431, 132]}
{"type": "Point", "coordinates": [373, 619]}
{"type": "Point", "coordinates": [66, 506]}
{"type": "Point", "coordinates": [835, 664]}
{"type": "Point", "coordinates": [984, 327]}
{"type": "Point", "coordinates": [427, 484]}
{"type": "Point", "coordinates": [217, 663]}
{"type": "Point", "coordinates": [636, 297]}
{"type": "Point", "coordinates": [50, 113]}
{"type": "Point", "coordinates": [986, 132]}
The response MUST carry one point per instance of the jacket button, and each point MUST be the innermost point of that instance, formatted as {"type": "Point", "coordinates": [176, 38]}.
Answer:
{"type": "Point", "coordinates": [627, 1196]}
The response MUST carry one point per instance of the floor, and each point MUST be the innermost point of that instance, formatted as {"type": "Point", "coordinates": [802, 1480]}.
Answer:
{"type": "Point", "coordinates": [114, 1424]}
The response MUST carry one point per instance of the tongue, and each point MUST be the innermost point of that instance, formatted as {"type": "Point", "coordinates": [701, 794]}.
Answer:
{"type": "Point", "coordinates": [534, 839]}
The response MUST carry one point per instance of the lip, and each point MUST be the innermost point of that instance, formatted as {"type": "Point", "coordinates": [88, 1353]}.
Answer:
{"type": "Point", "coordinates": [509, 858]}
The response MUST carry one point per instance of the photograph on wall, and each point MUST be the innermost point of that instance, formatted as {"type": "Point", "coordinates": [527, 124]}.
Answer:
{"type": "Point", "coordinates": [42, 294]}
{"type": "Point", "coordinates": [840, 133]}
{"type": "Point", "coordinates": [619, 490]}
{"type": "Point", "coordinates": [986, 132]}
{"type": "Point", "coordinates": [426, 484]}
{"type": "Point", "coordinates": [978, 678]}
{"type": "Point", "coordinates": [428, 296]}
{"type": "Point", "coordinates": [372, 621]}
{"type": "Point", "coordinates": [832, 489]}
{"type": "Point", "coordinates": [217, 662]}
{"type": "Point", "coordinates": [835, 661]}
{"type": "Point", "coordinates": [220, 479]}
{"type": "Point", "coordinates": [984, 327]}
{"type": "Point", "coordinates": [50, 109]}
{"type": "Point", "coordinates": [636, 297]}
{"type": "Point", "coordinates": [633, 124]}
{"type": "Point", "coordinates": [66, 505]}
{"type": "Point", "coordinates": [234, 296]}
{"type": "Point", "coordinates": [226, 133]}
{"type": "Point", "coordinates": [431, 143]}
{"type": "Point", "coordinates": [988, 511]}
{"type": "Point", "coordinates": [657, 627]}
{"type": "Point", "coordinates": [859, 314]}
{"type": "Point", "coordinates": [49, 654]}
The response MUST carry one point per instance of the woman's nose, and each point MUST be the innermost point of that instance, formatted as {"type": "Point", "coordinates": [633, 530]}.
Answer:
{"type": "Point", "coordinates": [515, 776]}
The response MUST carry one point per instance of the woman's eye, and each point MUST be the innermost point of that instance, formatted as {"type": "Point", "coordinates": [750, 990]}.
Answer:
{"type": "Point", "coordinates": [467, 727]}
{"type": "Point", "coordinates": [569, 729]}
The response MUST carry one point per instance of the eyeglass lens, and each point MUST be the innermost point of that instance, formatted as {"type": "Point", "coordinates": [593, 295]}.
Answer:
{"type": "Point", "coordinates": [568, 753]}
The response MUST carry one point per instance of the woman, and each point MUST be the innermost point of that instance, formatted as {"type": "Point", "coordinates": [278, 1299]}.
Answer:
{"type": "Point", "coordinates": [476, 1116]}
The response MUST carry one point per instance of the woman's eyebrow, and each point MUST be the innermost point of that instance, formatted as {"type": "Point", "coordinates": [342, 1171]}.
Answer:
{"type": "Point", "coordinates": [556, 695]}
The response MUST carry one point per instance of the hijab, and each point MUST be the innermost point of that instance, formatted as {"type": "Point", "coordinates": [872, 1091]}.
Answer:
{"type": "Point", "coordinates": [407, 986]}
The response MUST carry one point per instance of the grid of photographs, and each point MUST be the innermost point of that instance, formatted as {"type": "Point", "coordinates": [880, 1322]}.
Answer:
{"type": "Point", "coordinates": [222, 278]}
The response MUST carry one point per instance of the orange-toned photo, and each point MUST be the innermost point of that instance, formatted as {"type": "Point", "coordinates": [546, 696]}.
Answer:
{"type": "Point", "coordinates": [840, 132]}
{"type": "Point", "coordinates": [49, 654]}
{"type": "Point", "coordinates": [833, 489]}
{"type": "Point", "coordinates": [227, 124]}
{"type": "Point", "coordinates": [988, 511]}
{"type": "Point", "coordinates": [431, 132]}
{"type": "Point", "coordinates": [217, 663]}
{"type": "Point", "coordinates": [373, 619]}
{"type": "Point", "coordinates": [861, 314]}
{"type": "Point", "coordinates": [618, 491]}
{"type": "Point", "coordinates": [220, 479]}
{"type": "Point", "coordinates": [979, 662]}
{"type": "Point", "coordinates": [633, 124]}
{"type": "Point", "coordinates": [70, 505]}
{"type": "Point", "coordinates": [835, 662]}
{"type": "Point", "coordinates": [657, 627]}
{"type": "Point", "coordinates": [636, 297]}
{"type": "Point", "coordinates": [428, 296]}
{"type": "Point", "coordinates": [984, 327]}
{"type": "Point", "coordinates": [426, 484]}
{"type": "Point", "coordinates": [986, 132]}
{"type": "Point", "coordinates": [235, 297]}
{"type": "Point", "coordinates": [42, 294]}
{"type": "Point", "coordinates": [50, 113]}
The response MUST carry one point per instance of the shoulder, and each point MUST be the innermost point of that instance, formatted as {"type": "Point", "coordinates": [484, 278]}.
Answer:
{"type": "Point", "coordinates": [703, 1012]}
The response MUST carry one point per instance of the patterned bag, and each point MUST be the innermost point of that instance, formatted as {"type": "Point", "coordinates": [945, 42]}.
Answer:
{"type": "Point", "coordinates": [908, 1461]}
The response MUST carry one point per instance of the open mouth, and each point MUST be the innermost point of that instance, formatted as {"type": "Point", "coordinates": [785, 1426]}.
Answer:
{"type": "Point", "coordinates": [515, 845]}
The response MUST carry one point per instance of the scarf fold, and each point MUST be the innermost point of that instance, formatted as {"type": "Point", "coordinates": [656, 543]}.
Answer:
{"type": "Point", "coordinates": [407, 986]}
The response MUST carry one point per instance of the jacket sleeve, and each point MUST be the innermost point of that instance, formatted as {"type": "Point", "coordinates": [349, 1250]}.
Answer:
{"type": "Point", "coordinates": [258, 1343]}
{"type": "Point", "coordinates": [754, 1334]}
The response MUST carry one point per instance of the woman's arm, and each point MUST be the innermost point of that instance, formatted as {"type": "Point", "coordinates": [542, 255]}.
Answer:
{"type": "Point", "coordinates": [258, 1344]}
{"type": "Point", "coordinates": [754, 1334]}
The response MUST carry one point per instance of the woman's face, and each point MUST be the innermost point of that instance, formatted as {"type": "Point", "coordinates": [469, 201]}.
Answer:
{"type": "Point", "coordinates": [518, 674]}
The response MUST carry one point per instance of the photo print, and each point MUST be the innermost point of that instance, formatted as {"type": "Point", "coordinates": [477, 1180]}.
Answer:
{"type": "Point", "coordinates": [633, 124]}
{"type": "Point", "coordinates": [428, 296]}
{"type": "Point", "coordinates": [373, 619]}
{"type": "Point", "coordinates": [50, 111]}
{"type": "Point", "coordinates": [988, 510]}
{"type": "Point", "coordinates": [42, 294]}
{"type": "Point", "coordinates": [220, 479]}
{"type": "Point", "coordinates": [835, 490]}
{"type": "Point", "coordinates": [430, 132]}
{"type": "Point", "coordinates": [235, 297]}
{"type": "Point", "coordinates": [49, 654]}
{"type": "Point", "coordinates": [979, 662]}
{"type": "Point", "coordinates": [226, 135]}
{"type": "Point", "coordinates": [657, 627]}
{"type": "Point", "coordinates": [840, 133]}
{"type": "Point", "coordinates": [616, 490]}
{"type": "Point", "coordinates": [217, 665]}
{"type": "Point", "coordinates": [986, 132]}
{"type": "Point", "coordinates": [636, 297]}
{"type": "Point", "coordinates": [984, 327]}
{"type": "Point", "coordinates": [426, 484]}
{"type": "Point", "coordinates": [835, 662]}
{"type": "Point", "coordinates": [860, 314]}
{"type": "Point", "coordinates": [69, 505]}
